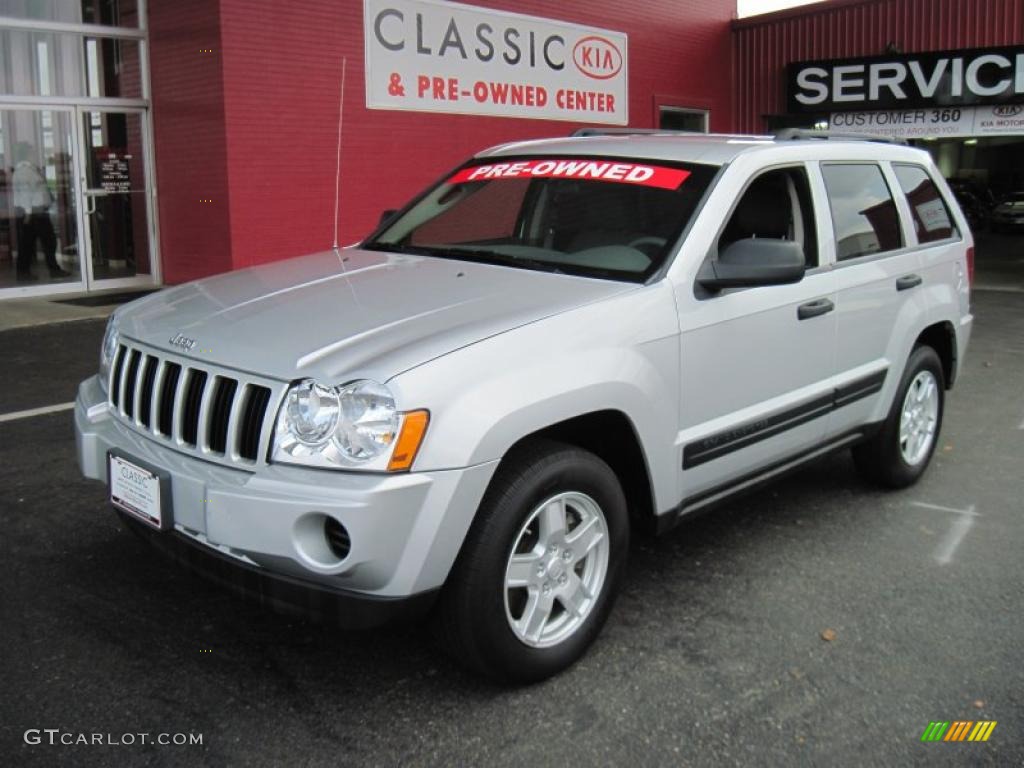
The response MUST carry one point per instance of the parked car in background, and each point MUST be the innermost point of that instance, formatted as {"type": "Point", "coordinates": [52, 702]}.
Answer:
{"type": "Point", "coordinates": [975, 202]}
{"type": "Point", "coordinates": [1008, 216]}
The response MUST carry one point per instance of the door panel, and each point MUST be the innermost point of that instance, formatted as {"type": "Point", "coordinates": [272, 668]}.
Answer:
{"type": "Point", "coordinates": [756, 381]}
{"type": "Point", "coordinates": [757, 363]}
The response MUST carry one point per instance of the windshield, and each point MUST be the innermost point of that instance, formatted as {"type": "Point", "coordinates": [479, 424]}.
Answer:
{"type": "Point", "coordinates": [598, 217]}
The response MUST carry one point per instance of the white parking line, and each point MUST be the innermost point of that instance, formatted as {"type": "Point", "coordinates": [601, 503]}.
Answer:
{"type": "Point", "coordinates": [961, 525]}
{"type": "Point", "coordinates": [36, 412]}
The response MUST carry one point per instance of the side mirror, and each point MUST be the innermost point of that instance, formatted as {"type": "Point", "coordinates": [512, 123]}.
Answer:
{"type": "Point", "coordinates": [754, 262]}
{"type": "Point", "coordinates": [386, 216]}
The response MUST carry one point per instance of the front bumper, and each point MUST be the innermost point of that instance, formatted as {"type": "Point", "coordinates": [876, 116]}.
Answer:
{"type": "Point", "coordinates": [267, 524]}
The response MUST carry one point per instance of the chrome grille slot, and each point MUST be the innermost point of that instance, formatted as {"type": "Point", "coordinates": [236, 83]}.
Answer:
{"type": "Point", "coordinates": [145, 409]}
{"type": "Point", "coordinates": [115, 380]}
{"type": "Point", "coordinates": [193, 402]}
{"type": "Point", "coordinates": [220, 410]}
{"type": "Point", "coordinates": [219, 415]}
{"type": "Point", "coordinates": [165, 406]}
{"type": "Point", "coordinates": [253, 415]}
{"type": "Point", "coordinates": [128, 385]}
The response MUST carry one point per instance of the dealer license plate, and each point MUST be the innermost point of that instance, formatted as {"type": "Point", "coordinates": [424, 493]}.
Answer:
{"type": "Point", "coordinates": [137, 490]}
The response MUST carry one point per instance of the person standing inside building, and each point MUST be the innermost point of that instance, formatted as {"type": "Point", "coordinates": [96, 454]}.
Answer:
{"type": "Point", "coordinates": [32, 201]}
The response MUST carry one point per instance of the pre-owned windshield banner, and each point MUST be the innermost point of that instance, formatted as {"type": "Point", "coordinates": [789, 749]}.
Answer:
{"type": "Point", "coordinates": [431, 56]}
{"type": "Point", "coordinates": [575, 168]}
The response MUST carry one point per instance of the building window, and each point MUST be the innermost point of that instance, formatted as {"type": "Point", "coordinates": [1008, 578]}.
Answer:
{"type": "Point", "coordinates": [683, 119]}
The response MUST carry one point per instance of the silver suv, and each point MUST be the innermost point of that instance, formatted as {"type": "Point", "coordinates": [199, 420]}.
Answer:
{"type": "Point", "coordinates": [470, 411]}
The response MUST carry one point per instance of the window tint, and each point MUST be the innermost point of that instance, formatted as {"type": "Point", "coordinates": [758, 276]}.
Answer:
{"type": "Point", "coordinates": [931, 215]}
{"type": "Point", "coordinates": [863, 212]}
{"type": "Point", "coordinates": [777, 204]}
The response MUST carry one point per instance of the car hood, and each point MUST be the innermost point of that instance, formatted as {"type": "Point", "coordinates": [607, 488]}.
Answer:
{"type": "Point", "coordinates": [340, 314]}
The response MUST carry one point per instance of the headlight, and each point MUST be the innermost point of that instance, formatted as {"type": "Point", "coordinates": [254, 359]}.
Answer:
{"type": "Point", "coordinates": [107, 353]}
{"type": "Point", "coordinates": [354, 426]}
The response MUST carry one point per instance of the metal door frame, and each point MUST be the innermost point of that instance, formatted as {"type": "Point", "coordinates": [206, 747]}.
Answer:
{"type": "Point", "coordinates": [84, 192]}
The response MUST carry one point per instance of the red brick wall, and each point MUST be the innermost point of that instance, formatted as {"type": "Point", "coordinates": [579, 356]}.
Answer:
{"type": "Point", "coordinates": [281, 67]}
{"type": "Point", "coordinates": [190, 137]}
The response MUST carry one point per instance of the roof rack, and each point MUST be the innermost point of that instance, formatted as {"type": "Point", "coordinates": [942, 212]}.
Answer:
{"type": "Point", "coordinates": [791, 134]}
{"type": "Point", "coordinates": [590, 131]}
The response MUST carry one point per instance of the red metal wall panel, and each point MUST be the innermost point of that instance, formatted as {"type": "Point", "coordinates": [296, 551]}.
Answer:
{"type": "Point", "coordinates": [188, 126]}
{"type": "Point", "coordinates": [762, 46]}
{"type": "Point", "coordinates": [281, 66]}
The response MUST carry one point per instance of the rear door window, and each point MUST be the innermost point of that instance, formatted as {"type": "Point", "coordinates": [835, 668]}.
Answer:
{"type": "Point", "coordinates": [864, 214]}
{"type": "Point", "coordinates": [932, 220]}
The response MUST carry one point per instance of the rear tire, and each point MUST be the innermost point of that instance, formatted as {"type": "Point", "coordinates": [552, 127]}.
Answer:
{"type": "Point", "coordinates": [899, 453]}
{"type": "Point", "coordinates": [540, 568]}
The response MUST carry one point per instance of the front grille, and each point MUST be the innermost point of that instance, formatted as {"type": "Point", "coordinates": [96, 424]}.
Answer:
{"type": "Point", "coordinates": [221, 415]}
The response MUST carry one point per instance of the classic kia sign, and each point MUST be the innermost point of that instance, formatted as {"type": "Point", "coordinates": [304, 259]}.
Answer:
{"type": "Point", "coordinates": [904, 81]}
{"type": "Point", "coordinates": [431, 56]}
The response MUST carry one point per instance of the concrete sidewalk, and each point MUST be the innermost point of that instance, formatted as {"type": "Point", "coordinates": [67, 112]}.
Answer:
{"type": "Point", "coordinates": [43, 310]}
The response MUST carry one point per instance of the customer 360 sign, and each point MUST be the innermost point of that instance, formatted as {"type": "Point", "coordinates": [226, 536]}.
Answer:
{"type": "Point", "coordinates": [431, 56]}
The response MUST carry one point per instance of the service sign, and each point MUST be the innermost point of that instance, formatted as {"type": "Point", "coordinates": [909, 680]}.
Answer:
{"type": "Point", "coordinates": [429, 56]}
{"type": "Point", "coordinates": [913, 80]}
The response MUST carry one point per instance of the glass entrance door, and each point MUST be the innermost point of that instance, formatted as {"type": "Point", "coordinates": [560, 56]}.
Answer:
{"type": "Point", "coordinates": [116, 196]}
{"type": "Point", "coordinates": [39, 204]}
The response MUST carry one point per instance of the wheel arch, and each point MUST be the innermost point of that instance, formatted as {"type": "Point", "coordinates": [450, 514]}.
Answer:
{"type": "Point", "coordinates": [941, 337]}
{"type": "Point", "coordinates": [610, 435]}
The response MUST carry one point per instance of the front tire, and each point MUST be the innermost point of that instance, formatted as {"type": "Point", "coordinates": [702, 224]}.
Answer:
{"type": "Point", "coordinates": [899, 453]}
{"type": "Point", "coordinates": [540, 567]}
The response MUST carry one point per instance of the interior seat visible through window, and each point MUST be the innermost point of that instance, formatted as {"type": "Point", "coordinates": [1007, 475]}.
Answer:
{"type": "Point", "coordinates": [776, 205]}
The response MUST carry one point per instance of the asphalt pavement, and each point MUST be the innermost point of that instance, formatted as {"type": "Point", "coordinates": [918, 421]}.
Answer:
{"type": "Point", "coordinates": [716, 653]}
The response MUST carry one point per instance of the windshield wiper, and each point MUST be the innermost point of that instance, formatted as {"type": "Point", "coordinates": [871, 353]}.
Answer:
{"type": "Point", "coordinates": [478, 255]}
{"type": "Point", "coordinates": [485, 256]}
{"type": "Point", "coordinates": [414, 250]}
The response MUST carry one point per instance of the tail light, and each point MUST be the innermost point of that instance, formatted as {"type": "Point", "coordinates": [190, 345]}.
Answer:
{"type": "Point", "coordinates": [970, 266]}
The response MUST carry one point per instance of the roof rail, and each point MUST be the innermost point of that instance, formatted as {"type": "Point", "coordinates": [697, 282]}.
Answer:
{"type": "Point", "coordinates": [591, 131]}
{"type": "Point", "coordinates": [790, 134]}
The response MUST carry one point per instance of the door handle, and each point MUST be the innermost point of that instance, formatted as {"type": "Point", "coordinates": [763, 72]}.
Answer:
{"type": "Point", "coordinates": [907, 282]}
{"type": "Point", "coordinates": [814, 308]}
{"type": "Point", "coordinates": [90, 205]}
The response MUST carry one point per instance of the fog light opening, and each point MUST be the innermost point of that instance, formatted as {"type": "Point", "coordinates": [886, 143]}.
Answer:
{"type": "Point", "coordinates": [338, 540]}
{"type": "Point", "coordinates": [321, 542]}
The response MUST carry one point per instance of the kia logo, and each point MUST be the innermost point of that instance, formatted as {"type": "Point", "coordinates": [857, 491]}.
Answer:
{"type": "Point", "coordinates": [597, 57]}
{"type": "Point", "coordinates": [1008, 110]}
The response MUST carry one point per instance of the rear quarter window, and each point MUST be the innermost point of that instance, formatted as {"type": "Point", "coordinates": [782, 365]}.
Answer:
{"type": "Point", "coordinates": [932, 219]}
{"type": "Point", "coordinates": [864, 214]}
